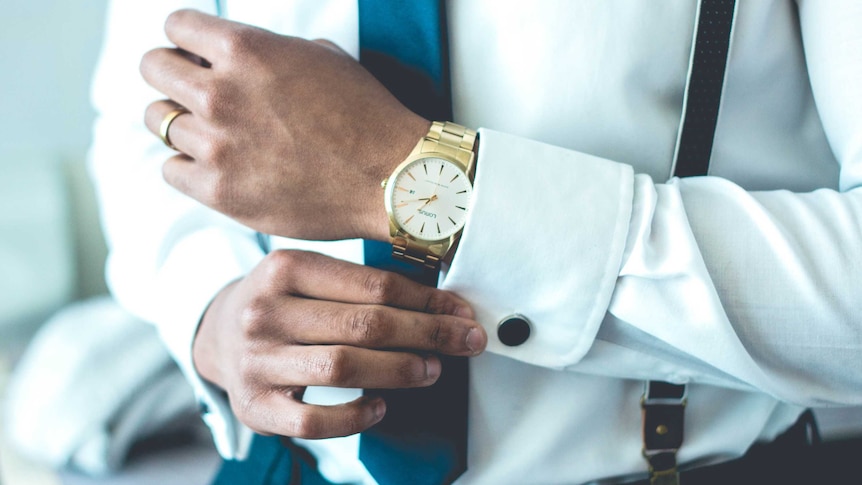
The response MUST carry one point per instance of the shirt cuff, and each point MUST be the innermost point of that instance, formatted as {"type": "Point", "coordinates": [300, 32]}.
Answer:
{"type": "Point", "coordinates": [189, 280]}
{"type": "Point", "coordinates": [544, 239]}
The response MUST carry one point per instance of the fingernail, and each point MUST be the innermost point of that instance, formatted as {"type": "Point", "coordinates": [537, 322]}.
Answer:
{"type": "Point", "coordinates": [379, 409]}
{"type": "Point", "coordinates": [475, 340]}
{"type": "Point", "coordinates": [432, 368]}
{"type": "Point", "coordinates": [463, 311]}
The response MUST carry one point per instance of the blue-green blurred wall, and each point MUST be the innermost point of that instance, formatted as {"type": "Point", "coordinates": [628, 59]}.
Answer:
{"type": "Point", "coordinates": [51, 250]}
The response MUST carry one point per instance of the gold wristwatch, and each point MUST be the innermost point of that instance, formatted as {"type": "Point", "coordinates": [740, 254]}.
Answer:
{"type": "Point", "coordinates": [428, 196]}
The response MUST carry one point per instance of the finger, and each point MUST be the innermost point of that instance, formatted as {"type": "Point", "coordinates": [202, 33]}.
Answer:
{"type": "Point", "coordinates": [183, 131]}
{"type": "Point", "coordinates": [282, 413]}
{"type": "Point", "coordinates": [316, 322]}
{"type": "Point", "coordinates": [318, 276]}
{"type": "Point", "coordinates": [332, 46]}
{"type": "Point", "coordinates": [175, 75]}
{"type": "Point", "coordinates": [182, 173]}
{"type": "Point", "coordinates": [346, 366]}
{"type": "Point", "coordinates": [203, 34]}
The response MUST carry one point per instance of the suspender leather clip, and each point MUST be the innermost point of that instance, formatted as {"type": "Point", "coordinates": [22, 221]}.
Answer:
{"type": "Point", "coordinates": [663, 410]}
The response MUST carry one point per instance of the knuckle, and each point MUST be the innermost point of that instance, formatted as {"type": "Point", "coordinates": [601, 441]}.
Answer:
{"type": "Point", "coordinates": [246, 406]}
{"type": "Point", "coordinates": [284, 260]}
{"type": "Point", "coordinates": [176, 18]}
{"type": "Point", "coordinates": [277, 264]}
{"type": "Point", "coordinates": [437, 302]}
{"type": "Point", "coordinates": [304, 425]}
{"type": "Point", "coordinates": [330, 45]}
{"type": "Point", "coordinates": [255, 316]}
{"type": "Point", "coordinates": [367, 325]}
{"type": "Point", "coordinates": [381, 286]}
{"type": "Point", "coordinates": [240, 42]}
{"type": "Point", "coordinates": [147, 61]}
{"type": "Point", "coordinates": [248, 370]}
{"type": "Point", "coordinates": [439, 335]}
{"type": "Point", "coordinates": [283, 269]}
{"type": "Point", "coordinates": [221, 193]}
{"type": "Point", "coordinates": [338, 366]}
{"type": "Point", "coordinates": [211, 98]}
{"type": "Point", "coordinates": [331, 366]}
{"type": "Point", "coordinates": [212, 151]}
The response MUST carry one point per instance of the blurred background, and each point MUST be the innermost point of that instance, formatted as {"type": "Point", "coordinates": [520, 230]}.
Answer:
{"type": "Point", "coordinates": [50, 233]}
{"type": "Point", "coordinates": [58, 329]}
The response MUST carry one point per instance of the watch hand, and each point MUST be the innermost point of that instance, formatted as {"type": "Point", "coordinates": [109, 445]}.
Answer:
{"type": "Point", "coordinates": [427, 201]}
{"type": "Point", "coordinates": [414, 200]}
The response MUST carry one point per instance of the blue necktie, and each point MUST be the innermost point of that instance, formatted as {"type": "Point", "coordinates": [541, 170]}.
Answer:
{"type": "Point", "coordinates": [423, 438]}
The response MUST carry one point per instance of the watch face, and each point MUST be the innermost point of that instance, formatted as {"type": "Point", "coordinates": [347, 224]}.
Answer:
{"type": "Point", "coordinates": [430, 197]}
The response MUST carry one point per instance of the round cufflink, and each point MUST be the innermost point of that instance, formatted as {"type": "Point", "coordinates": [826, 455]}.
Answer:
{"type": "Point", "coordinates": [513, 330]}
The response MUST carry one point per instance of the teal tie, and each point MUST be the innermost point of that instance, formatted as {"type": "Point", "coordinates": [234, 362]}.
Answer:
{"type": "Point", "coordinates": [423, 438]}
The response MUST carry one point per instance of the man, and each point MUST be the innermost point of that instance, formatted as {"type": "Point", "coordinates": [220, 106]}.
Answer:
{"type": "Point", "coordinates": [743, 284]}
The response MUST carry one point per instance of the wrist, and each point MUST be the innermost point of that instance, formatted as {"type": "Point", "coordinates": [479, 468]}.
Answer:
{"type": "Point", "coordinates": [400, 145]}
{"type": "Point", "coordinates": [205, 347]}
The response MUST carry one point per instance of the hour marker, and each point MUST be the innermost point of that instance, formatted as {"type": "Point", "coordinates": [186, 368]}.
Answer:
{"type": "Point", "coordinates": [453, 179]}
{"type": "Point", "coordinates": [461, 192]}
{"type": "Point", "coordinates": [422, 229]}
{"type": "Point", "coordinates": [407, 221]}
{"type": "Point", "coordinates": [425, 166]}
{"type": "Point", "coordinates": [401, 188]}
{"type": "Point", "coordinates": [411, 176]}
{"type": "Point", "coordinates": [462, 208]}
{"type": "Point", "coordinates": [438, 228]}
{"type": "Point", "coordinates": [441, 169]}
{"type": "Point", "coordinates": [403, 204]}
{"type": "Point", "coordinates": [453, 222]}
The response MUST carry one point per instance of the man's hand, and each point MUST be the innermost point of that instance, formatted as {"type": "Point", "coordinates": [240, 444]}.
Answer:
{"type": "Point", "coordinates": [288, 136]}
{"type": "Point", "coordinates": [304, 319]}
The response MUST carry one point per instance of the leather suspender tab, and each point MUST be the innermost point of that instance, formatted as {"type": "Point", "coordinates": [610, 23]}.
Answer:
{"type": "Point", "coordinates": [663, 408]}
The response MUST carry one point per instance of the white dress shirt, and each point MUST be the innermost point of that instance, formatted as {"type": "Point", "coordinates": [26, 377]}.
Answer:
{"type": "Point", "coordinates": [744, 284]}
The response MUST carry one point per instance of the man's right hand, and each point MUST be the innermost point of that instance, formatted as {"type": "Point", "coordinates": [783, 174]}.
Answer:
{"type": "Point", "coordinates": [304, 319]}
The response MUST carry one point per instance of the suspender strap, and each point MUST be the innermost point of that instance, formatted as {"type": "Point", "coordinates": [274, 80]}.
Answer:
{"type": "Point", "coordinates": [663, 404]}
{"type": "Point", "coordinates": [663, 407]}
{"type": "Point", "coordinates": [705, 82]}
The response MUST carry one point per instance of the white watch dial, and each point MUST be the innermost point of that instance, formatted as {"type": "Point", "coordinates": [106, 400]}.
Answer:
{"type": "Point", "coordinates": [430, 198]}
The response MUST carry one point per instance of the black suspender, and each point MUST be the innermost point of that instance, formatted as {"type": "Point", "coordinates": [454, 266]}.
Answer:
{"type": "Point", "coordinates": [703, 90]}
{"type": "Point", "coordinates": [663, 404]}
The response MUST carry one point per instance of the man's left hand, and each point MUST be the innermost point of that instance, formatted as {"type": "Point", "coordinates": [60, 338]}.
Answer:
{"type": "Point", "coordinates": [289, 137]}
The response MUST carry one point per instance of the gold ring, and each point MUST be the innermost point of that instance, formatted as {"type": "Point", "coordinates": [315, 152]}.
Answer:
{"type": "Point", "coordinates": [166, 125]}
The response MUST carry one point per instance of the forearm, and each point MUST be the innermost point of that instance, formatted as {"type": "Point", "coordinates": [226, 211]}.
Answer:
{"type": "Point", "coordinates": [162, 244]}
{"type": "Point", "coordinates": [696, 274]}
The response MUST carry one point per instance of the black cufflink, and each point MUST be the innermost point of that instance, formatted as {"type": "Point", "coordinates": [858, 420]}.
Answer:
{"type": "Point", "coordinates": [513, 330]}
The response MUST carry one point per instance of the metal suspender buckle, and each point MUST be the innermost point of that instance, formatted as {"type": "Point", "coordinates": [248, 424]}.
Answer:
{"type": "Point", "coordinates": [663, 410]}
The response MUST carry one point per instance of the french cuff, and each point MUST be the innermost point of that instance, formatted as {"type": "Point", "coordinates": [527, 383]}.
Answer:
{"type": "Point", "coordinates": [543, 244]}
{"type": "Point", "coordinates": [197, 268]}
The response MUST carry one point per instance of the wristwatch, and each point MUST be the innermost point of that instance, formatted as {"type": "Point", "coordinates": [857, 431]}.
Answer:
{"type": "Point", "coordinates": [428, 196]}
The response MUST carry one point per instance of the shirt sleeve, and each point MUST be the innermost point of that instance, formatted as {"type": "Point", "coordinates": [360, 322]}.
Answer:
{"type": "Point", "coordinates": [689, 280]}
{"type": "Point", "coordinates": [168, 254]}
